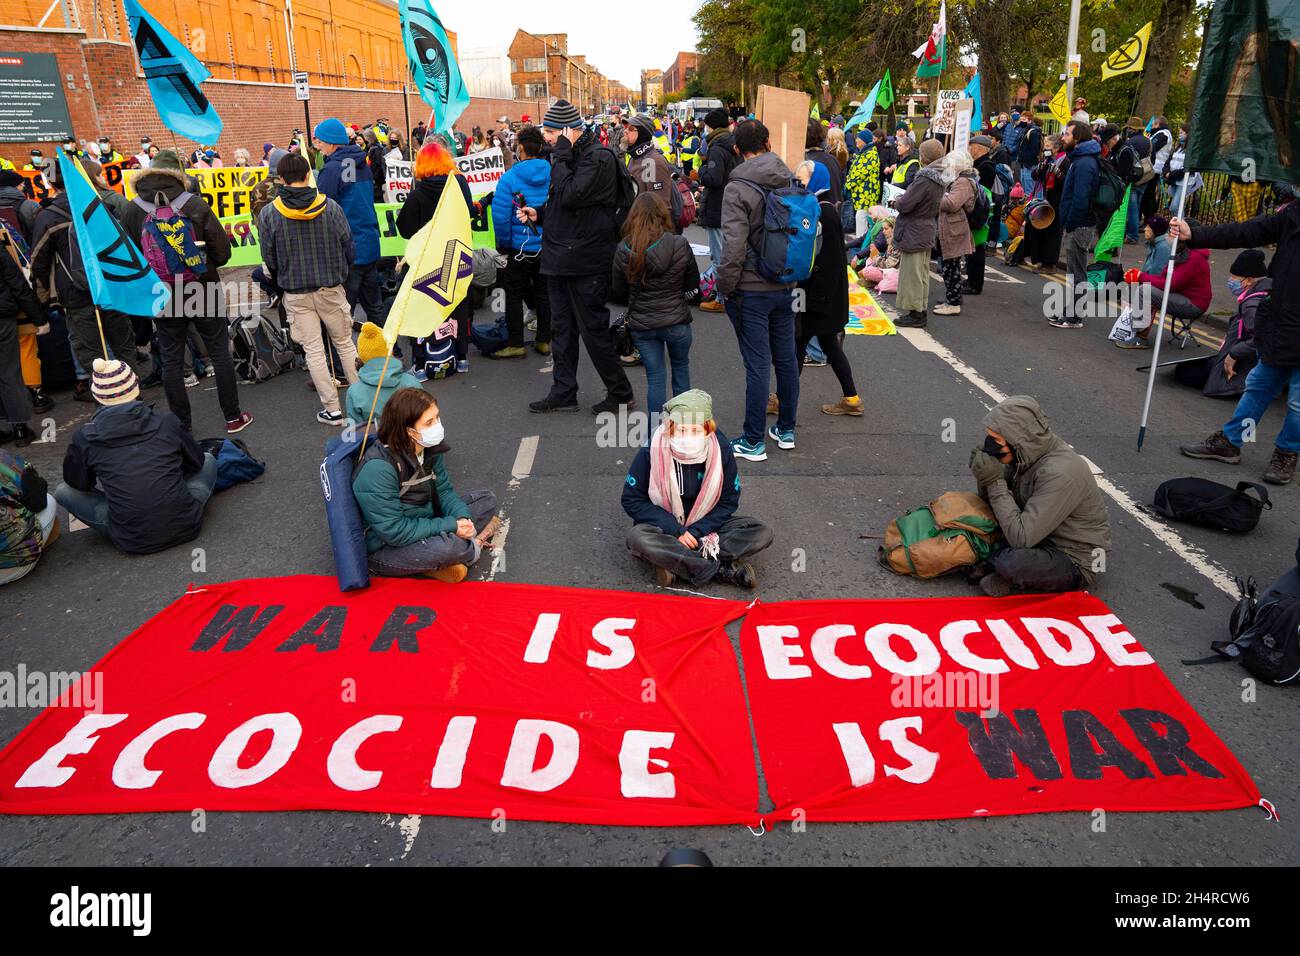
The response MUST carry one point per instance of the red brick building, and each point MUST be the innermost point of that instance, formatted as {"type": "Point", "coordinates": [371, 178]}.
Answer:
{"type": "Point", "coordinates": [677, 76]}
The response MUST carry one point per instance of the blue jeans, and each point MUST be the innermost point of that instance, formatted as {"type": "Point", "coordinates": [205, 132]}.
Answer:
{"type": "Point", "coordinates": [676, 340]}
{"type": "Point", "coordinates": [764, 324]}
{"type": "Point", "coordinates": [814, 350]}
{"type": "Point", "coordinates": [1264, 383]}
{"type": "Point", "coordinates": [1027, 179]}
{"type": "Point", "coordinates": [715, 247]}
{"type": "Point", "coordinates": [92, 507]}
{"type": "Point", "coordinates": [1134, 211]}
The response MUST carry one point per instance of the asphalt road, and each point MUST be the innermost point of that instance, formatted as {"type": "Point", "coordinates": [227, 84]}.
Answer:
{"type": "Point", "coordinates": [847, 478]}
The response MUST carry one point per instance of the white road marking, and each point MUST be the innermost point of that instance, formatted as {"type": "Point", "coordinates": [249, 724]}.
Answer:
{"type": "Point", "coordinates": [1010, 279]}
{"type": "Point", "coordinates": [408, 827]}
{"type": "Point", "coordinates": [1195, 557]}
{"type": "Point", "coordinates": [75, 523]}
{"type": "Point", "coordinates": [499, 550]}
{"type": "Point", "coordinates": [524, 458]}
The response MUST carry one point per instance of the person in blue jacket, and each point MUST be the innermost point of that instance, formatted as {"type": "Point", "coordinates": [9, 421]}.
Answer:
{"type": "Point", "coordinates": [682, 492]}
{"type": "Point", "coordinates": [1077, 218]}
{"type": "Point", "coordinates": [521, 244]}
{"type": "Point", "coordinates": [346, 179]}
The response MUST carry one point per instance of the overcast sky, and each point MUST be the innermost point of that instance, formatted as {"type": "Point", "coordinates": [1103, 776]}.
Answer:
{"type": "Point", "coordinates": [613, 35]}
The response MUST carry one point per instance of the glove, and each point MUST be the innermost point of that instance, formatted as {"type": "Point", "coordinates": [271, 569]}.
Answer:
{"type": "Point", "coordinates": [985, 467]}
{"type": "Point", "coordinates": [1131, 276]}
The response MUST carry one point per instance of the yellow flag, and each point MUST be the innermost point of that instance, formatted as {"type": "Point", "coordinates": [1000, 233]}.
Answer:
{"type": "Point", "coordinates": [441, 260]}
{"type": "Point", "coordinates": [1059, 106]}
{"type": "Point", "coordinates": [1130, 57]}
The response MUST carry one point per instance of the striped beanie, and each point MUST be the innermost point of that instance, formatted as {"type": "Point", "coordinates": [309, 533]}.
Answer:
{"type": "Point", "coordinates": [562, 115]}
{"type": "Point", "coordinates": [113, 382]}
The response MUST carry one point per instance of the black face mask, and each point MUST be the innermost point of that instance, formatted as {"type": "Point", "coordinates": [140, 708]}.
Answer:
{"type": "Point", "coordinates": [993, 447]}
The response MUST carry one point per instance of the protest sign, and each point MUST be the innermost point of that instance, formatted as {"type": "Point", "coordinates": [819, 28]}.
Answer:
{"type": "Point", "coordinates": [225, 188]}
{"type": "Point", "coordinates": [36, 186]}
{"type": "Point", "coordinates": [961, 124]}
{"type": "Point", "coordinates": [481, 170]}
{"type": "Point", "coordinates": [785, 114]}
{"type": "Point", "coordinates": [942, 121]}
{"type": "Point", "coordinates": [397, 180]}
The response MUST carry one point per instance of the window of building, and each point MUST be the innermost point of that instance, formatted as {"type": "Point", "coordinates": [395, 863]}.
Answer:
{"type": "Point", "coordinates": [533, 91]}
{"type": "Point", "coordinates": [535, 64]}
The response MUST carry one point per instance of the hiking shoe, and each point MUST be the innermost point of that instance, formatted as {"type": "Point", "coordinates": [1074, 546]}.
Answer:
{"type": "Point", "coordinates": [713, 305]}
{"type": "Point", "coordinates": [810, 362]}
{"type": "Point", "coordinates": [509, 352]}
{"type": "Point", "coordinates": [40, 401]}
{"type": "Point", "coordinates": [995, 585]}
{"type": "Point", "coordinates": [451, 574]}
{"type": "Point", "coordinates": [844, 407]}
{"type": "Point", "coordinates": [543, 348]}
{"type": "Point", "coordinates": [330, 418]}
{"type": "Point", "coordinates": [911, 320]}
{"type": "Point", "coordinates": [784, 439]}
{"type": "Point", "coordinates": [191, 380]}
{"type": "Point", "coordinates": [1064, 324]}
{"type": "Point", "coordinates": [612, 406]}
{"type": "Point", "coordinates": [237, 425]}
{"type": "Point", "coordinates": [549, 404]}
{"type": "Point", "coordinates": [739, 573]}
{"type": "Point", "coordinates": [663, 577]}
{"type": "Point", "coordinates": [947, 309]}
{"type": "Point", "coordinates": [1215, 448]}
{"type": "Point", "coordinates": [750, 452]}
{"type": "Point", "coordinates": [1281, 469]}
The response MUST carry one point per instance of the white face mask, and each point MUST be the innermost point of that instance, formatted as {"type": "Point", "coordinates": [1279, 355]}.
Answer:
{"type": "Point", "coordinates": [688, 447]}
{"type": "Point", "coordinates": [433, 435]}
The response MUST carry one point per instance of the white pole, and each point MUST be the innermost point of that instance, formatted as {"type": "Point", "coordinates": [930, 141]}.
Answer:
{"type": "Point", "coordinates": [1073, 44]}
{"type": "Point", "coordinates": [1158, 324]}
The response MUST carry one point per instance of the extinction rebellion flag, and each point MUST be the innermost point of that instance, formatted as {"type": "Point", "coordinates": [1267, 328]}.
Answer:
{"type": "Point", "coordinates": [432, 62]}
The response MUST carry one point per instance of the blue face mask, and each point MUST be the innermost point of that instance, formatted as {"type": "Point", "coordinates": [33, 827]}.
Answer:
{"type": "Point", "coordinates": [1236, 287]}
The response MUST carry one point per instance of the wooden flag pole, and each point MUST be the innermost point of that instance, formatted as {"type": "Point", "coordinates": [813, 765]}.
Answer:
{"type": "Point", "coordinates": [102, 344]}
{"type": "Point", "coordinates": [373, 402]}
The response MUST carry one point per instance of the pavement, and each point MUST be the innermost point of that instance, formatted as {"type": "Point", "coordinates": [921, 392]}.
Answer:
{"type": "Point", "coordinates": [831, 497]}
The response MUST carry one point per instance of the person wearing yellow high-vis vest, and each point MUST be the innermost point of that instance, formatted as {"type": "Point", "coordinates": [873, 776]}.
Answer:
{"type": "Point", "coordinates": [903, 172]}
{"type": "Point", "coordinates": [663, 143]}
{"type": "Point", "coordinates": [5, 164]}
{"type": "Point", "coordinates": [690, 152]}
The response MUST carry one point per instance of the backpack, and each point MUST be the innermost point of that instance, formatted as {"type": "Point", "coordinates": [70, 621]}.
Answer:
{"type": "Point", "coordinates": [791, 234]}
{"type": "Point", "coordinates": [1003, 181]}
{"type": "Point", "coordinates": [955, 530]}
{"type": "Point", "coordinates": [437, 357]}
{"type": "Point", "coordinates": [11, 224]}
{"type": "Point", "coordinates": [167, 241]}
{"type": "Point", "coordinates": [260, 350]}
{"type": "Point", "coordinates": [235, 463]}
{"type": "Point", "coordinates": [1265, 639]}
{"type": "Point", "coordinates": [1109, 193]}
{"type": "Point", "coordinates": [624, 189]}
{"type": "Point", "coordinates": [1212, 505]}
{"type": "Point", "coordinates": [981, 209]}
{"type": "Point", "coordinates": [683, 203]}
{"type": "Point", "coordinates": [22, 495]}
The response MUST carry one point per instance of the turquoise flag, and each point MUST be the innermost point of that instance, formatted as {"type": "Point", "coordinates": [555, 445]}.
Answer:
{"type": "Point", "coordinates": [972, 92]}
{"type": "Point", "coordinates": [863, 115]}
{"type": "Point", "coordinates": [116, 270]}
{"type": "Point", "coordinates": [432, 61]}
{"type": "Point", "coordinates": [174, 76]}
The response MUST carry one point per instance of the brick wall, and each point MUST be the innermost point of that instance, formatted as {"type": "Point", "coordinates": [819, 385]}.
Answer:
{"type": "Point", "coordinates": [108, 96]}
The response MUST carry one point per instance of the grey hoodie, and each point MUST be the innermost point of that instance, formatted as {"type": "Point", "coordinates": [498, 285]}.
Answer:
{"type": "Point", "coordinates": [1049, 495]}
{"type": "Point", "coordinates": [742, 218]}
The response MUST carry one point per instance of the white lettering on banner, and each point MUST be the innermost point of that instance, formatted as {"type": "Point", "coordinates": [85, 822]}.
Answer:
{"type": "Point", "coordinates": [520, 772]}
{"type": "Point", "coordinates": [342, 762]}
{"type": "Point", "coordinates": [823, 652]}
{"type": "Point", "coordinates": [634, 761]}
{"type": "Point", "coordinates": [224, 769]}
{"type": "Point", "coordinates": [927, 655]}
{"type": "Point", "coordinates": [608, 634]}
{"type": "Point", "coordinates": [46, 771]}
{"type": "Point", "coordinates": [539, 644]}
{"type": "Point", "coordinates": [953, 636]}
{"type": "Point", "coordinates": [129, 771]}
{"type": "Point", "coordinates": [777, 654]}
{"type": "Point", "coordinates": [861, 762]}
{"type": "Point", "coordinates": [449, 766]}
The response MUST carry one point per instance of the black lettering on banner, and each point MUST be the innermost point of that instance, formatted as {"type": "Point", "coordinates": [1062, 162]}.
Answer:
{"type": "Point", "coordinates": [239, 625]}
{"type": "Point", "coordinates": [401, 628]}
{"type": "Point", "coordinates": [241, 234]}
{"type": "Point", "coordinates": [1081, 729]}
{"type": "Point", "coordinates": [1169, 749]}
{"type": "Point", "coordinates": [323, 631]}
{"type": "Point", "coordinates": [389, 229]}
{"type": "Point", "coordinates": [994, 744]}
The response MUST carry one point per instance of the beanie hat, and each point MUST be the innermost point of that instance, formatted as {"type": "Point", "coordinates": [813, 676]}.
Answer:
{"type": "Point", "coordinates": [1159, 225]}
{"type": "Point", "coordinates": [984, 141]}
{"type": "Point", "coordinates": [167, 159]}
{"type": "Point", "coordinates": [690, 408]}
{"type": "Point", "coordinates": [371, 342]}
{"type": "Point", "coordinates": [332, 131]}
{"type": "Point", "coordinates": [273, 160]}
{"type": "Point", "coordinates": [1249, 264]}
{"type": "Point", "coordinates": [931, 150]}
{"type": "Point", "coordinates": [113, 382]}
{"type": "Point", "coordinates": [562, 115]}
{"type": "Point", "coordinates": [717, 119]}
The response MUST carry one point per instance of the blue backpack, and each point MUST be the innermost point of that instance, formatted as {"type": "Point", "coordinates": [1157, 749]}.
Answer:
{"type": "Point", "coordinates": [791, 236]}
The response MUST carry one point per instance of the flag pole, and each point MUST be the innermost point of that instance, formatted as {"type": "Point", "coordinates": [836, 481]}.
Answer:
{"type": "Point", "coordinates": [1159, 326]}
{"type": "Point", "coordinates": [102, 344]}
{"type": "Point", "coordinates": [373, 402]}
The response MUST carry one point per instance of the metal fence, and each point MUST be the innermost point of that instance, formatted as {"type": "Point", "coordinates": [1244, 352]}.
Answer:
{"type": "Point", "coordinates": [1220, 199]}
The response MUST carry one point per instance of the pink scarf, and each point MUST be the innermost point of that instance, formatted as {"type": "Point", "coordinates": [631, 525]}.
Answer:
{"type": "Point", "coordinates": [664, 492]}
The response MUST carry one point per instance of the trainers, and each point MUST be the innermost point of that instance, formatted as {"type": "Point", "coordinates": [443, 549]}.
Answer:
{"type": "Point", "coordinates": [509, 352]}
{"type": "Point", "coordinates": [330, 418]}
{"type": "Point", "coordinates": [237, 425]}
{"type": "Point", "coordinates": [1281, 469]}
{"type": "Point", "coordinates": [543, 348]}
{"type": "Point", "coordinates": [549, 404]}
{"type": "Point", "coordinates": [947, 309]}
{"type": "Point", "coordinates": [612, 406]}
{"type": "Point", "coordinates": [844, 407]}
{"type": "Point", "coordinates": [191, 380]}
{"type": "Point", "coordinates": [630, 360]}
{"type": "Point", "coordinates": [462, 366]}
{"type": "Point", "coordinates": [810, 362]}
{"type": "Point", "coordinates": [995, 585]}
{"type": "Point", "coordinates": [743, 449]}
{"type": "Point", "coordinates": [451, 574]}
{"type": "Point", "coordinates": [784, 439]}
{"type": "Point", "coordinates": [739, 573]}
{"type": "Point", "coordinates": [911, 320]}
{"type": "Point", "coordinates": [1063, 323]}
{"type": "Point", "coordinates": [713, 305]}
{"type": "Point", "coordinates": [419, 374]}
{"type": "Point", "coordinates": [1215, 448]}
{"type": "Point", "coordinates": [773, 404]}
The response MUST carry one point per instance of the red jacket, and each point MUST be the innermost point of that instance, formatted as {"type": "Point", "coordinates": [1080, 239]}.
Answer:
{"type": "Point", "coordinates": [1191, 278]}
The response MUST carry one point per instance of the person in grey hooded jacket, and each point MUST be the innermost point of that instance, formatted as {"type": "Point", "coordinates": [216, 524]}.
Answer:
{"type": "Point", "coordinates": [1053, 519]}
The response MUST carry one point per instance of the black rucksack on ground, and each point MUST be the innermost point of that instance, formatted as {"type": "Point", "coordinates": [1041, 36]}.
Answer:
{"type": "Point", "coordinates": [1212, 505]}
{"type": "Point", "coordinates": [1266, 639]}
{"type": "Point", "coordinates": [260, 350]}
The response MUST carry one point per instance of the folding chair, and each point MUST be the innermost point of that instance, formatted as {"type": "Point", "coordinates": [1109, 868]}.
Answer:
{"type": "Point", "coordinates": [1180, 330]}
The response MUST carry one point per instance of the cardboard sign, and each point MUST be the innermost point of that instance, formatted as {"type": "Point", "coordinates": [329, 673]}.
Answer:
{"type": "Point", "coordinates": [961, 120]}
{"type": "Point", "coordinates": [942, 121]}
{"type": "Point", "coordinates": [785, 114]}
{"type": "Point", "coordinates": [225, 188]}
{"type": "Point", "coordinates": [482, 172]}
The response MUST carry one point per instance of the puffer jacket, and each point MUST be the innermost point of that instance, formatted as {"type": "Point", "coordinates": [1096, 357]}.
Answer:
{"type": "Point", "coordinates": [714, 175]}
{"type": "Point", "coordinates": [1191, 277]}
{"type": "Point", "coordinates": [1080, 186]}
{"type": "Point", "coordinates": [1239, 342]}
{"type": "Point", "coordinates": [743, 203]}
{"type": "Point", "coordinates": [1048, 494]}
{"type": "Point", "coordinates": [917, 210]}
{"type": "Point", "coordinates": [398, 517]}
{"type": "Point", "coordinates": [532, 177]}
{"type": "Point", "coordinates": [346, 179]}
{"type": "Point", "coordinates": [954, 226]}
{"type": "Point", "coordinates": [669, 272]}
{"type": "Point", "coordinates": [373, 377]}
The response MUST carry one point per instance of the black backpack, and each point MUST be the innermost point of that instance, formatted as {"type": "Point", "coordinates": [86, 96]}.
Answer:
{"type": "Point", "coordinates": [1212, 505]}
{"type": "Point", "coordinates": [1268, 642]}
{"type": "Point", "coordinates": [1110, 191]}
{"type": "Point", "coordinates": [624, 188]}
{"type": "Point", "coordinates": [981, 209]}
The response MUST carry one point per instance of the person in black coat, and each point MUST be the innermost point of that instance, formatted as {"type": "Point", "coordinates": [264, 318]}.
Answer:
{"type": "Point", "coordinates": [17, 299]}
{"type": "Point", "coordinates": [815, 149]}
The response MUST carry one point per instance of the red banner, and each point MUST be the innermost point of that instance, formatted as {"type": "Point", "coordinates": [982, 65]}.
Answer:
{"type": "Point", "coordinates": [911, 710]}
{"type": "Point", "coordinates": [483, 700]}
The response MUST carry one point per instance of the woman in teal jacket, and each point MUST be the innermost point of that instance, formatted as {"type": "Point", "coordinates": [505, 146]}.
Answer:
{"type": "Point", "coordinates": [416, 524]}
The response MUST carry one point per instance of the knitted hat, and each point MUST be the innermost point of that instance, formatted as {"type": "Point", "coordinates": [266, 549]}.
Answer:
{"type": "Point", "coordinates": [931, 150]}
{"type": "Point", "coordinates": [562, 115]}
{"type": "Point", "coordinates": [1159, 225]}
{"type": "Point", "coordinates": [371, 343]}
{"type": "Point", "coordinates": [690, 408]}
{"type": "Point", "coordinates": [332, 131]}
{"type": "Point", "coordinates": [167, 159]}
{"type": "Point", "coordinates": [273, 160]}
{"type": "Point", "coordinates": [984, 141]}
{"type": "Point", "coordinates": [113, 382]}
{"type": "Point", "coordinates": [717, 119]}
{"type": "Point", "coordinates": [1249, 264]}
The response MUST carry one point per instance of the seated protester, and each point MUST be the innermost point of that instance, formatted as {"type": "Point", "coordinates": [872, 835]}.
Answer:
{"type": "Point", "coordinates": [1049, 509]}
{"type": "Point", "coordinates": [153, 479]}
{"type": "Point", "coordinates": [654, 270]}
{"type": "Point", "coordinates": [28, 516]}
{"type": "Point", "coordinates": [416, 524]}
{"type": "Point", "coordinates": [374, 377]}
{"type": "Point", "coordinates": [1190, 292]}
{"type": "Point", "coordinates": [1155, 236]}
{"type": "Point", "coordinates": [1224, 375]}
{"type": "Point", "coordinates": [682, 491]}
{"type": "Point", "coordinates": [879, 266]}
